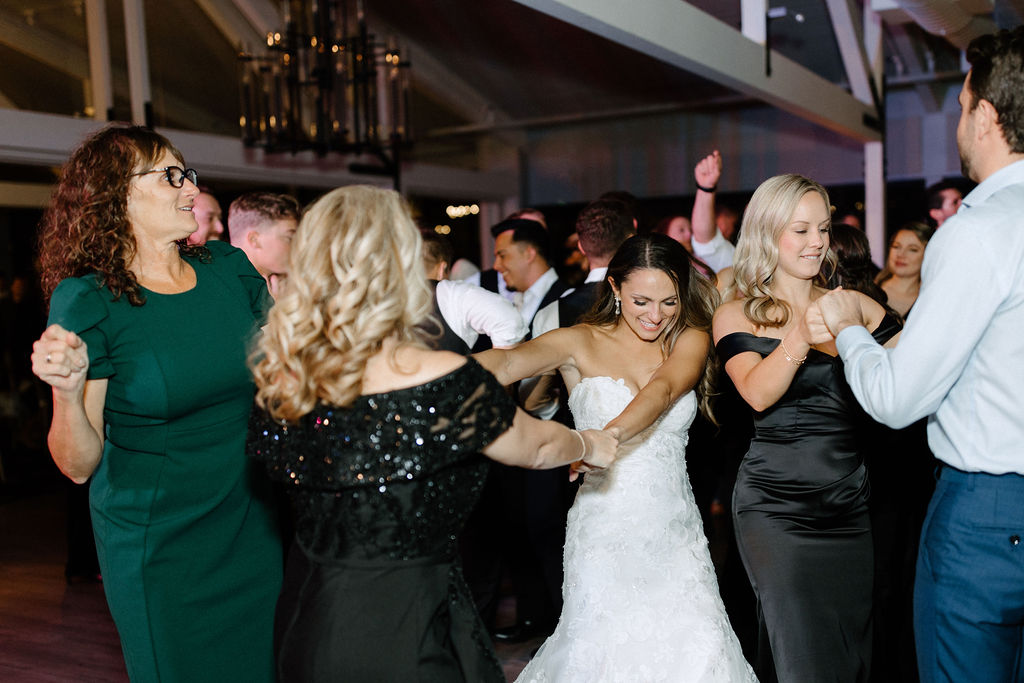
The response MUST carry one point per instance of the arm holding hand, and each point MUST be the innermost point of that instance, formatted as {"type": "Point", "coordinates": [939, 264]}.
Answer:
{"type": "Point", "coordinates": [546, 353]}
{"type": "Point", "coordinates": [60, 358]}
{"type": "Point", "coordinates": [677, 375]}
{"type": "Point", "coordinates": [544, 444]}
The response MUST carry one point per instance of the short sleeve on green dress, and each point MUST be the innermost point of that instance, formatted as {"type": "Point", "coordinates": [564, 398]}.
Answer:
{"type": "Point", "coordinates": [235, 262]}
{"type": "Point", "coordinates": [80, 306]}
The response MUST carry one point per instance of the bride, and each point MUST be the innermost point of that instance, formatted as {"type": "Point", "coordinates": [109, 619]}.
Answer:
{"type": "Point", "coordinates": [641, 601]}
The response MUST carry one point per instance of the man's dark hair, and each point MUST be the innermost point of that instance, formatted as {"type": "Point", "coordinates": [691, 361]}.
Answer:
{"type": "Point", "coordinates": [603, 226]}
{"type": "Point", "coordinates": [437, 248]}
{"type": "Point", "coordinates": [934, 192]}
{"type": "Point", "coordinates": [997, 76]}
{"type": "Point", "coordinates": [526, 231]}
{"type": "Point", "coordinates": [254, 209]}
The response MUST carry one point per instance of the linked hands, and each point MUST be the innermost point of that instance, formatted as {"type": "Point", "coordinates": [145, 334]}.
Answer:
{"type": "Point", "coordinates": [601, 447]}
{"type": "Point", "coordinates": [60, 358]}
{"type": "Point", "coordinates": [835, 311]}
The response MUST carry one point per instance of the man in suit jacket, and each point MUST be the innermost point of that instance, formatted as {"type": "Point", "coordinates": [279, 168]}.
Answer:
{"type": "Point", "coordinates": [602, 226]}
{"type": "Point", "coordinates": [511, 522]}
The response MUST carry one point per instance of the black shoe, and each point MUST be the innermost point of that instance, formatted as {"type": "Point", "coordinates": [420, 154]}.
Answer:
{"type": "Point", "coordinates": [518, 633]}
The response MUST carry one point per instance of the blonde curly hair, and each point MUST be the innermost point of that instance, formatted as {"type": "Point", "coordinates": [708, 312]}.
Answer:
{"type": "Point", "coordinates": [356, 278]}
{"type": "Point", "coordinates": [770, 210]}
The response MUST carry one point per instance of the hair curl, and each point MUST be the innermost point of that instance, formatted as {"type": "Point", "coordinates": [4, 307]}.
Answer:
{"type": "Point", "coordinates": [698, 296]}
{"type": "Point", "coordinates": [769, 212]}
{"type": "Point", "coordinates": [356, 279]}
{"type": "Point", "coordinates": [85, 229]}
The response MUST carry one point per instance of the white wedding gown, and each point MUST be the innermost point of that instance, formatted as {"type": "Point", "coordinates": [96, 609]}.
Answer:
{"type": "Point", "coordinates": [641, 601]}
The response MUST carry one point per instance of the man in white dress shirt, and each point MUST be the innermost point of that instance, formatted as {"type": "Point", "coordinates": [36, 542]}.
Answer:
{"type": "Point", "coordinates": [960, 361]}
{"type": "Point", "coordinates": [709, 244]}
{"type": "Point", "coordinates": [468, 310]}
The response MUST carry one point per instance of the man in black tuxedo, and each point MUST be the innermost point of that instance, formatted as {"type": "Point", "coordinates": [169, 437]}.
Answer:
{"type": "Point", "coordinates": [529, 532]}
{"type": "Point", "coordinates": [510, 522]}
{"type": "Point", "coordinates": [602, 227]}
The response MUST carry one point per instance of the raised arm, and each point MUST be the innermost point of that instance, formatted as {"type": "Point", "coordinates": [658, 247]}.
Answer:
{"type": "Point", "coordinates": [677, 375]}
{"type": "Point", "coordinates": [60, 359]}
{"type": "Point", "coordinates": [547, 352]}
{"type": "Point", "coordinates": [706, 173]}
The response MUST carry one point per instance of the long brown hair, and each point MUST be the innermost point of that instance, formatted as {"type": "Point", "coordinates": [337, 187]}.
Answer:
{"type": "Point", "coordinates": [697, 296]}
{"type": "Point", "coordinates": [85, 229]}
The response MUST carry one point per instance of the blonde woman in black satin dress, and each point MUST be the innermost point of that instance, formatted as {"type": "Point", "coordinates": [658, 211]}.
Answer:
{"type": "Point", "coordinates": [800, 502]}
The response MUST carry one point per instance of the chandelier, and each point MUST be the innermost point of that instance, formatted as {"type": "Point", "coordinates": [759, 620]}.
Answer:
{"type": "Point", "coordinates": [325, 83]}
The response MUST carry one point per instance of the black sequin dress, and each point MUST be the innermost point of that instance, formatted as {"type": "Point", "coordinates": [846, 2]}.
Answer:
{"type": "Point", "coordinates": [380, 491]}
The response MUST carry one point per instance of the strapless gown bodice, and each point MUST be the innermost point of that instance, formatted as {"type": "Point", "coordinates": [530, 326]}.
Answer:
{"type": "Point", "coordinates": [641, 600]}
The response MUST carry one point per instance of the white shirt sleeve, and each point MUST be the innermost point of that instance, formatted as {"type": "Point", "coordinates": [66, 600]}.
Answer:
{"type": "Point", "coordinates": [960, 293]}
{"type": "Point", "coordinates": [717, 253]}
{"type": "Point", "coordinates": [471, 311]}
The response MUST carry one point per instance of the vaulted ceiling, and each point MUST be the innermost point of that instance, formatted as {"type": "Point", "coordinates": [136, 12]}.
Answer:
{"type": "Point", "coordinates": [497, 67]}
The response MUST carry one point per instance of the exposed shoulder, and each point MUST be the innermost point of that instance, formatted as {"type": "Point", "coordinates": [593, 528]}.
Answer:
{"type": "Point", "coordinates": [431, 364]}
{"type": "Point", "coordinates": [729, 318]}
{"type": "Point", "coordinates": [873, 311]}
{"type": "Point", "coordinates": [410, 366]}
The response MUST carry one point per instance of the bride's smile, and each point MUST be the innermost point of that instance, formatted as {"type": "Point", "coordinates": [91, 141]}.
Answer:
{"type": "Point", "coordinates": [649, 303]}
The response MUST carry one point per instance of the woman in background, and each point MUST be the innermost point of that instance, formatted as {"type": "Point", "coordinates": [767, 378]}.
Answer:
{"type": "Point", "coordinates": [901, 277]}
{"type": "Point", "coordinates": [380, 442]}
{"type": "Point", "coordinates": [800, 501]}
{"type": "Point", "coordinates": [146, 355]}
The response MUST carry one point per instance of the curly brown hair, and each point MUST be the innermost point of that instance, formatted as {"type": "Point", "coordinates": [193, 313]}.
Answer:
{"type": "Point", "coordinates": [85, 229]}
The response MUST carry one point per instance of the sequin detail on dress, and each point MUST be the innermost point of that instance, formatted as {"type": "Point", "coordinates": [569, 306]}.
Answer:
{"type": "Point", "coordinates": [380, 491]}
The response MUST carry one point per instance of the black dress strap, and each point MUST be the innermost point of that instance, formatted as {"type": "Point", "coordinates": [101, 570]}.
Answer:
{"type": "Point", "coordinates": [887, 329]}
{"type": "Point", "coordinates": [740, 342]}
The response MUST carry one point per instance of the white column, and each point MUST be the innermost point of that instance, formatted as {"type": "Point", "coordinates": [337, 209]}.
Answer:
{"type": "Point", "coordinates": [754, 20]}
{"type": "Point", "coordinates": [102, 100]}
{"type": "Point", "coordinates": [874, 199]}
{"type": "Point", "coordinates": [138, 60]}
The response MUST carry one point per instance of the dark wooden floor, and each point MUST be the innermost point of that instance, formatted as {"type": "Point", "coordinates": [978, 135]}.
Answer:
{"type": "Point", "coordinates": [54, 632]}
{"type": "Point", "coordinates": [49, 631]}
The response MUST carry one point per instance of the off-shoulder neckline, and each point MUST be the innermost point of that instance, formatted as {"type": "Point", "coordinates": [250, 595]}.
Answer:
{"type": "Point", "coordinates": [434, 380]}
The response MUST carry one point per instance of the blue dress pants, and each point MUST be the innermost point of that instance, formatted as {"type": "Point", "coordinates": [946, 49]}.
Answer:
{"type": "Point", "coordinates": [969, 590]}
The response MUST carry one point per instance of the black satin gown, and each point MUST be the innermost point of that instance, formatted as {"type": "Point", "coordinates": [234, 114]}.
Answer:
{"type": "Point", "coordinates": [380, 492]}
{"type": "Point", "coordinates": [801, 516]}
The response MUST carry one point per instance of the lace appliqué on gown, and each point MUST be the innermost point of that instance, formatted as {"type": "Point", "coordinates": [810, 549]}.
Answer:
{"type": "Point", "coordinates": [641, 597]}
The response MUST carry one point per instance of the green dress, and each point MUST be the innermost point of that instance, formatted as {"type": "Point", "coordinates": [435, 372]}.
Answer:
{"type": "Point", "coordinates": [185, 527]}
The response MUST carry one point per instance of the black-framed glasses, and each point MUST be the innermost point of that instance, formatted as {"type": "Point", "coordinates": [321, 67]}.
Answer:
{"type": "Point", "coordinates": [175, 175]}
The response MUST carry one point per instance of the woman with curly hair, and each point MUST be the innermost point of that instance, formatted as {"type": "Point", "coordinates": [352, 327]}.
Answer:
{"type": "Point", "coordinates": [800, 500]}
{"type": "Point", "coordinates": [640, 597]}
{"type": "Point", "coordinates": [186, 537]}
{"type": "Point", "coordinates": [378, 440]}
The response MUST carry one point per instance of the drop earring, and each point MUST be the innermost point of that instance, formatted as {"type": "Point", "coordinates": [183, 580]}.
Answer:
{"type": "Point", "coordinates": [617, 307]}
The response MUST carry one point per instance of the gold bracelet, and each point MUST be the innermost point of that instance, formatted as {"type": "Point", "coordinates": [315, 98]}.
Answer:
{"type": "Point", "coordinates": [791, 359]}
{"type": "Point", "coordinates": [583, 443]}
